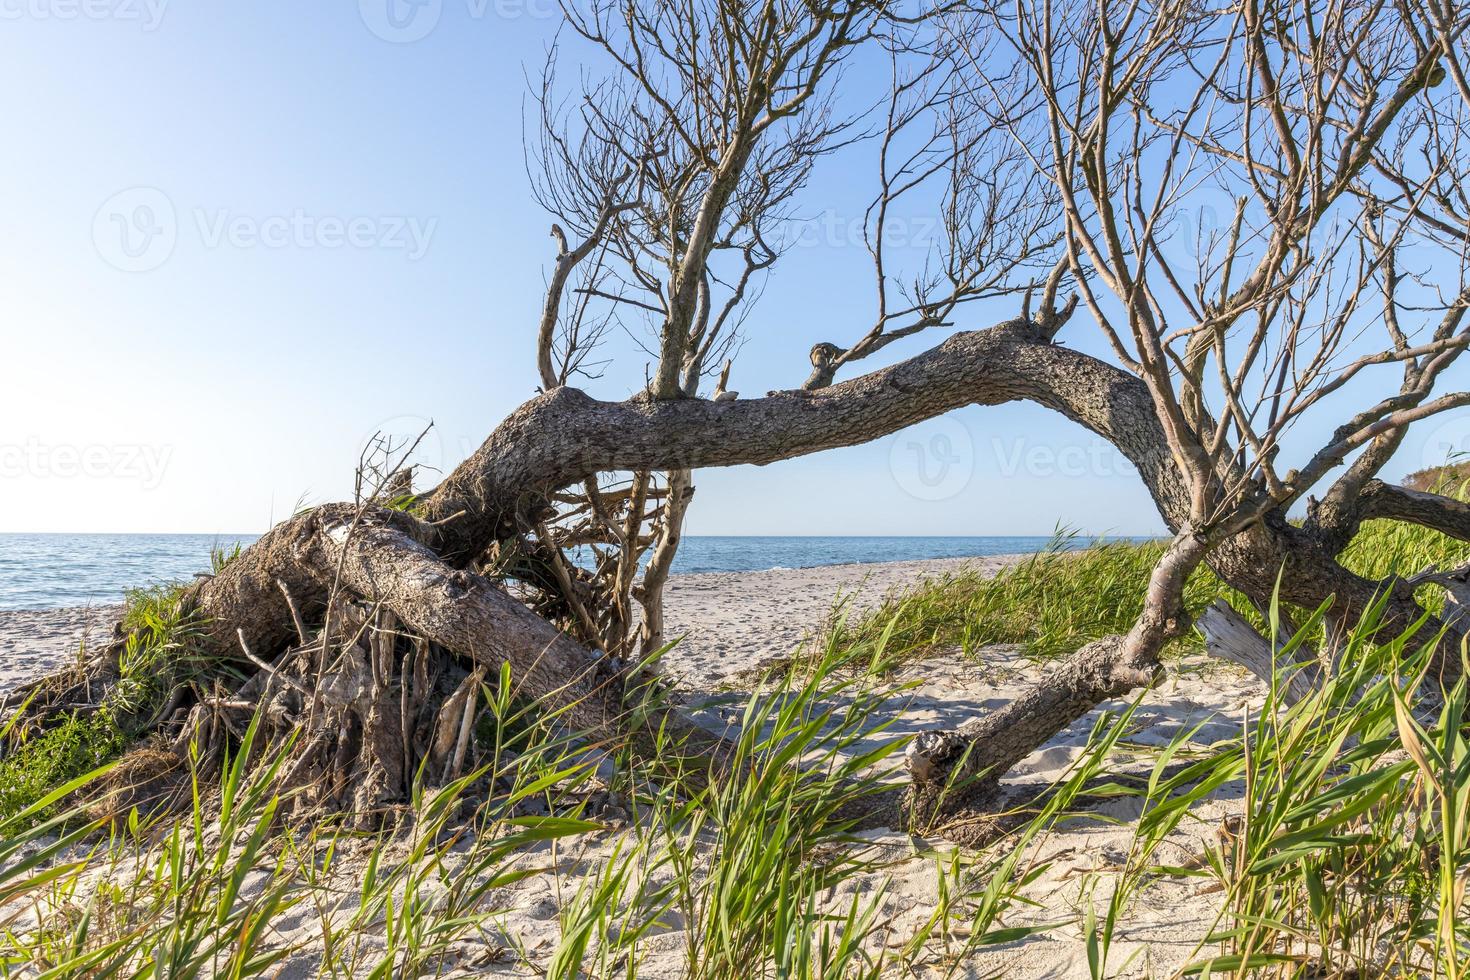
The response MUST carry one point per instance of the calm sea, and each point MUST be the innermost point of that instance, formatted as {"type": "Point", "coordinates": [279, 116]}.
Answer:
{"type": "Point", "coordinates": [43, 571]}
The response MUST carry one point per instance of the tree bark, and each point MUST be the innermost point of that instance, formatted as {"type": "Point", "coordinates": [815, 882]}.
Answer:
{"type": "Point", "coordinates": [954, 772]}
{"type": "Point", "coordinates": [417, 566]}
{"type": "Point", "coordinates": [1229, 636]}
{"type": "Point", "coordinates": [469, 615]}
{"type": "Point", "coordinates": [564, 435]}
{"type": "Point", "coordinates": [1443, 514]}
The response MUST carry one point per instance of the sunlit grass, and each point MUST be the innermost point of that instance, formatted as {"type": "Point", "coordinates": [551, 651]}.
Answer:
{"type": "Point", "coordinates": [1347, 852]}
{"type": "Point", "coordinates": [160, 653]}
{"type": "Point", "coordinates": [1051, 603]}
{"type": "Point", "coordinates": [1048, 604]}
{"type": "Point", "coordinates": [744, 868]}
{"type": "Point", "coordinates": [1349, 856]}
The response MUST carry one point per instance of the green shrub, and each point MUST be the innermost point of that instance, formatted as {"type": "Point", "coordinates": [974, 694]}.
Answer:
{"type": "Point", "coordinates": [55, 757]}
{"type": "Point", "coordinates": [161, 652]}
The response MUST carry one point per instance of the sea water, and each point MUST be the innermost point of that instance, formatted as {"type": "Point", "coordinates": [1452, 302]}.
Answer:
{"type": "Point", "coordinates": [44, 571]}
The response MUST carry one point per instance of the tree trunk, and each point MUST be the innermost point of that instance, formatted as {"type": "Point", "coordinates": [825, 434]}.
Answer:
{"type": "Point", "coordinates": [418, 567]}
{"type": "Point", "coordinates": [955, 773]}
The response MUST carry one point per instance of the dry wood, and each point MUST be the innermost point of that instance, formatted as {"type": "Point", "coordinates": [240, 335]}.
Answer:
{"type": "Point", "coordinates": [1062, 167]}
{"type": "Point", "coordinates": [1229, 636]}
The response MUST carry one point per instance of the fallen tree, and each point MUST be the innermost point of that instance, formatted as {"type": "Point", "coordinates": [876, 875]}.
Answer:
{"type": "Point", "coordinates": [1058, 161]}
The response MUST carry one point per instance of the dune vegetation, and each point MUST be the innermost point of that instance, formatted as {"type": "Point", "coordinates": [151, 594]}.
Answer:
{"type": "Point", "coordinates": [408, 733]}
{"type": "Point", "coordinates": [1347, 853]}
{"type": "Point", "coordinates": [1060, 599]}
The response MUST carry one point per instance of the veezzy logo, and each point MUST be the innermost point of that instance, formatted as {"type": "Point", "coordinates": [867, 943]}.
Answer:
{"type": "Point", "coordinates": [143, 464]}
{"type": "Point", "coordinates": [136, 230]}
{"type": "Point", "coordinates": [400, 21]}
{"type": "Point", "coordinates": [933, 461]}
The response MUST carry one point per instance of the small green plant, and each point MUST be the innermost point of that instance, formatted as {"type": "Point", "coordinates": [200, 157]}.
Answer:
{"type": "Point", "coordinates": [54, 758]}
{"type": "Point", "coordinates": [749, 864]}
{"type": "Point", "coordinates": [220, 557]}
{"type": "Point", "coordinates": [1349, 856]}
{"type": "Point", "coordinates": [1048, 604]}
{"type": "Point", "coordinates": [160, 653]}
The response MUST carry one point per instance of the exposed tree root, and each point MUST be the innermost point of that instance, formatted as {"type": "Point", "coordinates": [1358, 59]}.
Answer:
{"type": "Point", "coordinates": [359, 630]}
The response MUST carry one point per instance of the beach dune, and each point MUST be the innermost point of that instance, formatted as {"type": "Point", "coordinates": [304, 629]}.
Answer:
{"type": "Point", "coordinates": [729, 626]}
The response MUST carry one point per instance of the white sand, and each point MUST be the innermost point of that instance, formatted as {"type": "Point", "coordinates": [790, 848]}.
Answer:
{"type": "Point", "coordinates": [734, 623]}
{"type": "Point", "coordinates": [35, 641]}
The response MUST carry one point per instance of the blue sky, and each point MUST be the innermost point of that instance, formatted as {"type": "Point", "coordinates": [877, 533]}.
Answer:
{"type": "Point", "coordinates": [241, 238]}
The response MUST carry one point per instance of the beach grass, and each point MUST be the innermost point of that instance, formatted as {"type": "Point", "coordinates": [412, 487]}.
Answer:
{"type": "Point", "coordinates": [1051, 603]}
{"type": "Point", "coordinates": [198, 893]}
{"type": "Point", "coordinates": [1048, 604]}
{"type": "Point", "coordinates": [1348, 857]}
{"type": "Point", "coordinates": [1347, 852]}
{"type": "Point", "coordinates": [160, 654]}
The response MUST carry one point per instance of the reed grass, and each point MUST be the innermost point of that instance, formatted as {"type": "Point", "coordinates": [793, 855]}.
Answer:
{"type": "Point", "coordinates": [1347, 854]}
{"type": "Point", "coordinates": [1051, 603]}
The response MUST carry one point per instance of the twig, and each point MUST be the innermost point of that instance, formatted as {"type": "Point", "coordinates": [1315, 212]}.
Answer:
{"type": "Point", "coordinates": [293, 682]}
{"type": "Point", "coordinates": [295, 613]}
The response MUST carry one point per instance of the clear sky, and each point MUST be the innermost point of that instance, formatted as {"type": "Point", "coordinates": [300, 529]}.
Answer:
{"type": "Point", "coordinates": [240, 238]}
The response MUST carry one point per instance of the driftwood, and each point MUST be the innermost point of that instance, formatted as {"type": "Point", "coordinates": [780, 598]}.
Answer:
{"type": "Point", "coordinates": [1230, 636]}
{"type": "Point", "coordinates": [413, 567]}
{"type": "Point", "coordinates": [365, 628]}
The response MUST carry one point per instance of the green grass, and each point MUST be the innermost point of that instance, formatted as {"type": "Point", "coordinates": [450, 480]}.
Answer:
{"type": "Point", "coordinates": [1049, 604]}
{"type": "Point", "coordinates": [1384, 548]}
{"type": "Point", "coordinates": [160, 653]}
{"type": "Point", "coordinates": [745, 863]}
{"type": "Point", "coordinates": [1350, 855]}
{"type": "Point", "coordinates": [197, 895]}
{"type": "Point", "coordinates": [1052, 603]}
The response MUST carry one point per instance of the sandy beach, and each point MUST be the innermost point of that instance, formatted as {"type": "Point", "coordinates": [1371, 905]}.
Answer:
{"type": "Point", "coordinates": [734, 623]}
{"type": "Point", "coordinates": [35, 641]}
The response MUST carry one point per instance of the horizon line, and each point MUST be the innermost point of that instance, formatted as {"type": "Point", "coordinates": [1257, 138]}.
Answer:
{"type": "Point", "coordinates": [257, 534]}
